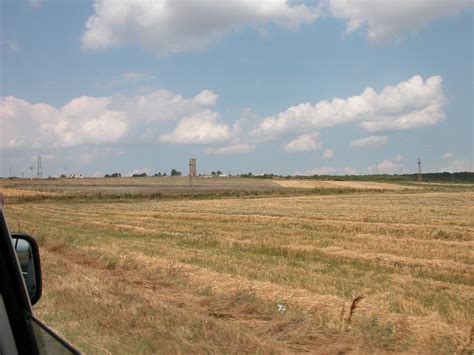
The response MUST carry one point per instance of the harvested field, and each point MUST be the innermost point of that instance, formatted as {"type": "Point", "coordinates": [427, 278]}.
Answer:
{"type": "Point", "coordinates": [361, 185]}
{"type": "Point", "coordinates": [258, 275]}
{"type": "Point", "coordinates": [142, 186]}
{"type": "Point", "coordinates": [15, 193]}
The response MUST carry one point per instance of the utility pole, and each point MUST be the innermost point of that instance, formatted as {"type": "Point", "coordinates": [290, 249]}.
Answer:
{"type": "Point", "coordinates": [10, 170]}
{"type": "Point", "coordinates": [419, 170]}
{"type": "Point", "coordinates": [39, 168]}
{"type": "Point", "coordinates": [31, 168]}
{"type": "Point", "coordinates": [190, 173]}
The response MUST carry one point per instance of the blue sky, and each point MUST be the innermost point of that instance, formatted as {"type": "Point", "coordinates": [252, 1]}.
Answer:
{"type": "Point", "coordinates": [313, 87]}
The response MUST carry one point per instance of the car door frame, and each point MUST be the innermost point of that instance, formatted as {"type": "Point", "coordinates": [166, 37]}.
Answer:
{"type": "Point", "coordinates": [15, 297]}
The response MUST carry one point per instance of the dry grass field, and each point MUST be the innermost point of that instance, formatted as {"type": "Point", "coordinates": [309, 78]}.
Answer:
{"type": "Point", "coordinates": [361, 185]}
{"type": "Point", "coordinates": [355, 273]}
{"type": "Point", "coordinates": [139, 186]}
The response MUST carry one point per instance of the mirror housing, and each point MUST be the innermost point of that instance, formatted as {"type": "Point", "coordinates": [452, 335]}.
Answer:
{"type": "Point", "coordinates": [28, 256]}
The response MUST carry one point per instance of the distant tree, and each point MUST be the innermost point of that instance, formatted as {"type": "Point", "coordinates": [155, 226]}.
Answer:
{"type": "Point", "coordinates": [139, 175]}
{"type": "Point", "coordinates": [63, 176]}
{"type": "Point", "coordinates": [114, 175]}
{"type": "Point", "coordinates": [249, 175]}
{"type": "Point", "coordinates": [157, 174]}
{"type": "Point", "coordinates": [219, 173]}
{"type": "Point", "coordinates": [213, 173]}
{"type": "Point", "coordinates": [175, 172]}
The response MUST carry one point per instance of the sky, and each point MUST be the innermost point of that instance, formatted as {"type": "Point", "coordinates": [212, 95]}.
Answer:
{"type": "Point", "coordinates": [278, 86]}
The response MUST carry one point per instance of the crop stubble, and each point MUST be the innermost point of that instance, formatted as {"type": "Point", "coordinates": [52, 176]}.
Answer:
{"type": "Point", "coordinates": [208, 276]}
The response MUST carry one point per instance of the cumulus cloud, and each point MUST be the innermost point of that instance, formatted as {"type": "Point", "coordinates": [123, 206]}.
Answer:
{"type": "Point", "coordinates": [200, 128]}
{"type": "Point", "coordinates": [233, 149]}
{"type": "Point", "coordinates": [398, 157]}
{"type": "Point", "coordinates": [448, 156]}
{"type": "Point", "coordinates": [83, 120]}
{"type": "Point", "coordinates": [304, 143]}
{"type": "Point", "coordinates": [410, 104]}
{"type": "Point", "coordinates": [385, 167]}
{"type": "Point", "coordinates": [457, 165]}
{"type": "Point", "coordinates": [386, 24]}
{"type": "Point", "coordinates": [163, 27]}
{"type": "Point", "coordinates": [371, 141]}
{"type": "Point", "coordinates": [135, 76]}
{"type": "Point", "coordinates": [163, 105]}
{"type": "Point", "coordinates": [325, 170]}
{"type": "Point", "coordinates": [206, 98]}
{"type": "Point", "coordinates": [327, 154]}
{"type": "Point", "coordinates": [95, 120]}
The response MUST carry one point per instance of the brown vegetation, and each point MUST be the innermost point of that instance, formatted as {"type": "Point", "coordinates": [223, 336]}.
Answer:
{"type": "Point", "coordinates": [264, 275]}
{"type": "Point", "coordinates": [362, 185]}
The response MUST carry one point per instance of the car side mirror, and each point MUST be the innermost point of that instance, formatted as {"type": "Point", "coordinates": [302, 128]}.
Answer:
{"type": "Point", "coordinates": [29, 259]}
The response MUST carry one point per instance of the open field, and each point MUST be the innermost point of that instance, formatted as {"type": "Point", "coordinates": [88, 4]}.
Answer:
{"type": "Point", "coordinates": [140, 186]}
{"type": "Point", "coordinates": [360, 185]}
{"type": "Point", "coordinates": [258, 275]}
{"type": "Point", "coordinates": [204, 187]}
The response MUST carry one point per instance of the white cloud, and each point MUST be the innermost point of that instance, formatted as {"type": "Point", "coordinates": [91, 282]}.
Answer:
{"type": "Point", "coordinates": [398, 157]}
{"type": "Point", "coordinates": [385, 21]}
{"type": "Point", "coordinates": [35, 3]}
{"type": "Point", "coordinates": [425, 117]}
{"type": "Point", "coordinates": [206, 98]}
{"type": "Point", "coordinates": [304, 143]}
{"type": "Point", "coordinates": [82, 120]}
{"type": "Point", "coordinates": [371, 141]}
{"type": "Point", "coordinates": [93, 120]}
{"type": "Point", "coordinates": [327, 154]}
{"type": "Point", "coordinates": [163, 105]}
{"type": "Point", "coordinates": [448, 156]}
{"type": "Point", "coordinates": [200, 128]}
{"type": "Point", "coordinates": [385, 167]}
{"type": "Point", "coordinates": [458, 166]}
{"type": "Point", "coordinates": [135, 76]}
{"type": "Point", "coordinates": [233, 149]}
{"type": "Point", "coordinates": [164, 27]}
{"type": "Point", "coordinates": [328, 171]}
{"type": "Point", "coordinates": [410, 104]}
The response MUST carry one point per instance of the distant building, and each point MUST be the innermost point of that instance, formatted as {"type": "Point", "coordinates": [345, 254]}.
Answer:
{"type": "Point", "coordinates": [192, 167]}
